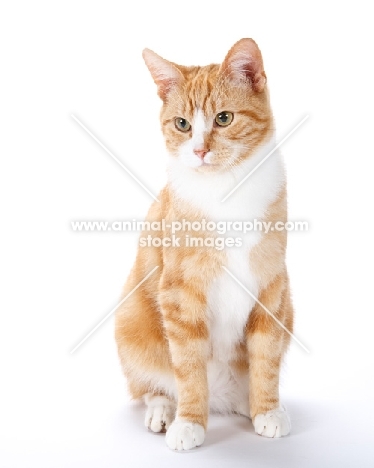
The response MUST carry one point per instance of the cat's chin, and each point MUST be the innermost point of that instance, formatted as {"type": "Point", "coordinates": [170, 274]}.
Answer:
{"type": "Point", "coordinates": [206, 167]}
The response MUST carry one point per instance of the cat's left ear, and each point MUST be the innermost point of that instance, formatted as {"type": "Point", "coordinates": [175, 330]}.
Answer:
{"type": "Point", "coordinates": [244, 62]}
{"type": "Point", "coordinates": [165, 74]}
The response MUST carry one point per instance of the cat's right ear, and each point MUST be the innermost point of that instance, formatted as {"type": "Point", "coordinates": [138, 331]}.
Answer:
{"type": "Point", "coordinates": [165, 74]}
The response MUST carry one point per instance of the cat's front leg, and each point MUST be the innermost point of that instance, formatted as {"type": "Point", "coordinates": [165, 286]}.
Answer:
{"type": "Point", "coordinates": [183, 308]}
{"type": "Point", "coordinates": [267, 342]}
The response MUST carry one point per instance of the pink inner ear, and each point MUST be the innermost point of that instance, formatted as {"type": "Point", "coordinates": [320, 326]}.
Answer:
{"type": "Point", "coordinates": [164, 73]}
{"type": "Point", "coordinates": [244, 61]}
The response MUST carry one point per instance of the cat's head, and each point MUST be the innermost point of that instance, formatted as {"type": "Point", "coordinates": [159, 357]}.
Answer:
{"type": "Point", "coordinates": [216, 116]}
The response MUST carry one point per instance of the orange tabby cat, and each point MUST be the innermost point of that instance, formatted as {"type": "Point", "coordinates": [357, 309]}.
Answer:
{"type": "Point", "coordinates": [190, 338]}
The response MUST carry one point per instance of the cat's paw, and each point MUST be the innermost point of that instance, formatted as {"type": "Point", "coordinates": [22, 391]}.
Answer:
{"type": "Point", "coordinates": [275, 423]}
{"type": "Point", "coordinates": [160, 413]}
{"type": "Point", "coordinates": [184, 435]}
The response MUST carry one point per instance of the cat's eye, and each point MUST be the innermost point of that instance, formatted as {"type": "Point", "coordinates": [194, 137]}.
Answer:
{"type": "Point", "coordinates": [223, 119]}
{"type": "Point", "coordinates": [182, 124]}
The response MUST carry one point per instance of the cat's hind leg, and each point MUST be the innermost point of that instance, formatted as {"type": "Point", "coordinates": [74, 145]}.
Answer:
{"type": "Point", "coordinates": [160, 412]}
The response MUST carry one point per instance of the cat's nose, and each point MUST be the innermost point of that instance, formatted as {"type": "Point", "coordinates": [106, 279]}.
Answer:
{"type": "Point", "coordinates": [201, 153]}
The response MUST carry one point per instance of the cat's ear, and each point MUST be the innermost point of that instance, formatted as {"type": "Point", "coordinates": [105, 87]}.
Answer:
{"type": "Point", "coordinates": [165, 74]}
{"type": "Point", "coordinates": [244, 62]}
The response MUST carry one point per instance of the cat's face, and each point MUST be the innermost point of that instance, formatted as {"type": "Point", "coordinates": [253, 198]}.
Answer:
{"type": "Point", "coordinates": [213, 117]}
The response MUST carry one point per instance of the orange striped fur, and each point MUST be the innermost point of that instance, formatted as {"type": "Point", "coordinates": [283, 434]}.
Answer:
{"type": "Point", "coordinates": [189, 338]}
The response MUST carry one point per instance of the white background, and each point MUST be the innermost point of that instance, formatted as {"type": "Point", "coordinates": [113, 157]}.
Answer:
{"type": "Point", "coordinates": [58, 58]}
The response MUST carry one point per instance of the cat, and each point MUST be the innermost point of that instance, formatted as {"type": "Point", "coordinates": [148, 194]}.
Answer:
{"type": "Point", "coordinates": [190, 338]}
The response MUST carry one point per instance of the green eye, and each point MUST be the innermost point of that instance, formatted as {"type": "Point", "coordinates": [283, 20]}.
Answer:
{"type": "Point", "coordinates": [223, 119]}
{"type": "Point", "coordinates": [182, 124]}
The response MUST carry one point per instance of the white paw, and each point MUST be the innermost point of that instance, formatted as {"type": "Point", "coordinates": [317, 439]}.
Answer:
{"type": "Point", "coordinates": [160, 413]}
{"type": "Point", "coordinates": [275, 423]}
{"type": "Point", "coordinates": [184, 435]}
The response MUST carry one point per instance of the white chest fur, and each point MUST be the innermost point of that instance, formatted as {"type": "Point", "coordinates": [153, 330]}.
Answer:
{"type": "Point", "coordinates": [228, 304]}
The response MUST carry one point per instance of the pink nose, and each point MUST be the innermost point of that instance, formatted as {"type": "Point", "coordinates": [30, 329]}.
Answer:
{"type": "Point", "coordinates": [201, 153]}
